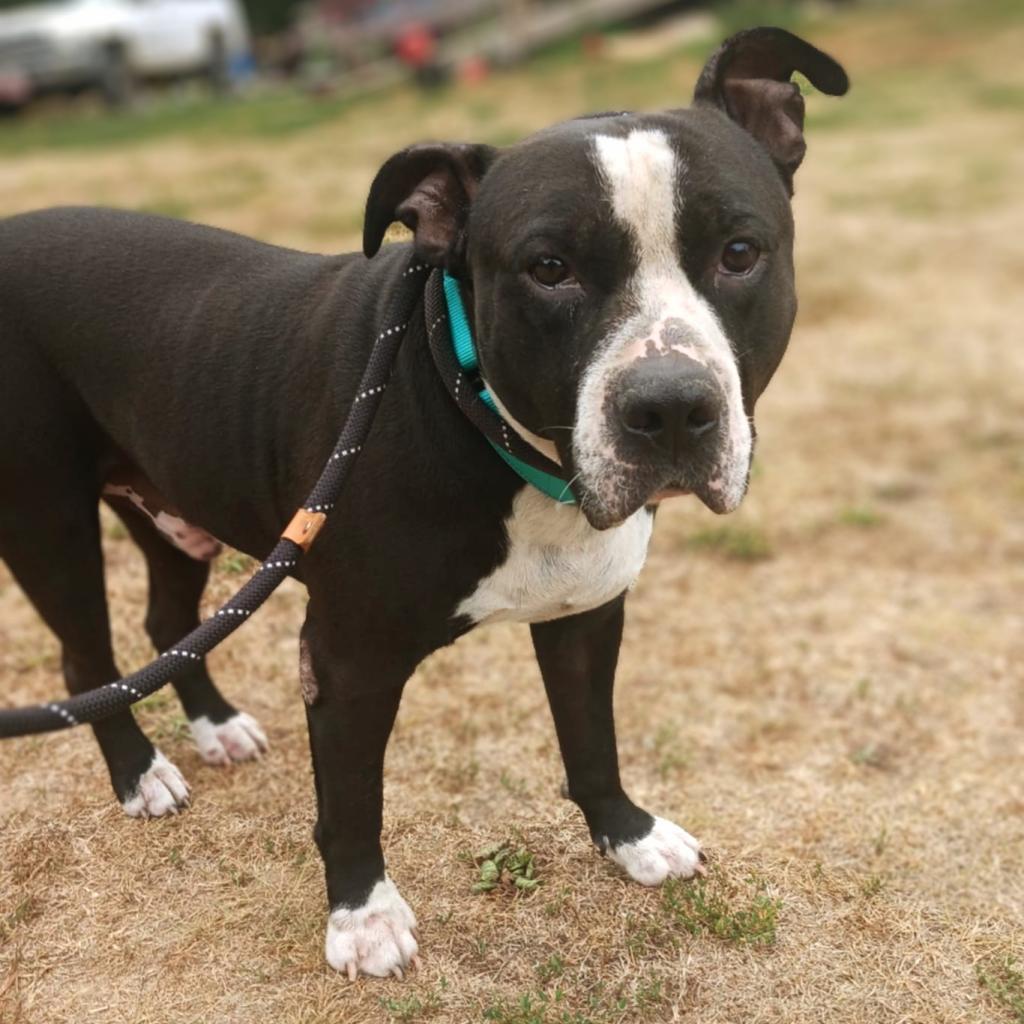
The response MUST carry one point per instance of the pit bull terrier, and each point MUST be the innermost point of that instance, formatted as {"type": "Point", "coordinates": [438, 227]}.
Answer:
{"type": "Point", "coordinates": [628, 280]}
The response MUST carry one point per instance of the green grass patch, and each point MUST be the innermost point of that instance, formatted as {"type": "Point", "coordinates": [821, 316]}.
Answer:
{"type": "Point", "coordinates": [272, 114]}
{"type": "Point", "coordinates": [159, 701]}
{"type": "Point", "coordinates": [741, 543]}
{"type": "Point", "coordinates": [415, 1007]}
{"type": "Point", "coordinates": [872, 885]}
{"type": "Point", "coordinates": [600, 1005]}
{"type": "Point", "coordinates": [25, 911]}
{"type": "Point", "coordinates": [672, 757]}
{"type": "Point", "coordinates": [167, 206]}
{"type": "Point", "coordinates": [1000, 96]}
{"type": "Point", "coordinates": [505, 866]}
{"type": "Point", "coordinates": [1003, 980]}
{"type": "Point", "coordinates": [553, 967]}
{"type": "Point", "coordinates": [702, 908]}
{"type": "Point", "coordinates": [533, 1008]}
{"type": "Point", "coordinates": [115, 530]}
{"type": "Point", "coordinates": [861, 516]}
{"type": "Point", "coordinates": [234, 563]}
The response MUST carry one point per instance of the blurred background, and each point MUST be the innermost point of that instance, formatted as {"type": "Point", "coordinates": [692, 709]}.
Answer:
{"type": "Point", "coordinates": [826, 687]}
{"type": "Point", "coordinates": [114, 48]}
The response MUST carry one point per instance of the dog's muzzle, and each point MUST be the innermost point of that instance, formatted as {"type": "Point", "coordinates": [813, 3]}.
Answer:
{"type": "Point", "coordinates": [666, 431]}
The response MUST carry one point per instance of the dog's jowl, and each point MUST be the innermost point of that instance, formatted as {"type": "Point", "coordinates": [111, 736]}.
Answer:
{"type": "Point", "coordinates": [628, 282]}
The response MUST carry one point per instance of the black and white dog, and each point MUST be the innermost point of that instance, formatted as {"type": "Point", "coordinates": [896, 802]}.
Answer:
{"type": "Point", "coordinates": [629, 282]}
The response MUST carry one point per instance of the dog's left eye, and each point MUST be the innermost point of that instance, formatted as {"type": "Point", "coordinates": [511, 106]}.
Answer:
{"type": "Point", "coordinates": [739, 256]}
{"type": "Point", "coordinates": [551, 272]}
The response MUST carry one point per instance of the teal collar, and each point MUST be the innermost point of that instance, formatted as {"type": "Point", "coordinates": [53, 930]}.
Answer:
{"type": "Point", "coordinates": [465, 354]}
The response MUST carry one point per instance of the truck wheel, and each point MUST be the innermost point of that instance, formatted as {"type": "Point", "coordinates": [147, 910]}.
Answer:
{"type": "Point", "coordinates": [117, 84]}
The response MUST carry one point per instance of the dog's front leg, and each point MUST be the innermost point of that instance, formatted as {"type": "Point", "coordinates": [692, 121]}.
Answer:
{"type": "Point", "coordinates": [577, 657]}
{"type": "Point", "coordinates": [350, 708]}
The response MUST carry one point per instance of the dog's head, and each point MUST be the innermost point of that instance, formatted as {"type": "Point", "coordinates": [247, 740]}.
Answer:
{"type": "Point", "coordinates": [630, 275]}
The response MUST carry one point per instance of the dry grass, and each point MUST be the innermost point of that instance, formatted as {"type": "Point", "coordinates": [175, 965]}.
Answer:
{"type": "Point", "coordinates": [841, 720]}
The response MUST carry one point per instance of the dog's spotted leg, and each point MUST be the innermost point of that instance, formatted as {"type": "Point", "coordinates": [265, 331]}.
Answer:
{"type": "Point", "coordinates": [222, 734]}
{"type": "Point", "coordinates": [129, 488]}
{"type": "Point", "coordinates": [370, 929]}
{"type": "Point", "coordinates": [577, 658]}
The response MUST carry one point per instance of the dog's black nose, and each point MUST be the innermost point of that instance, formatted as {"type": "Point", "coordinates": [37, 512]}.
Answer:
{"type": "Point", "coordinates": [671, 401]}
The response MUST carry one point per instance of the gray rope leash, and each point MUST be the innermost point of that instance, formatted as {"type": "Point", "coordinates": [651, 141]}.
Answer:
{"type": "Point", "coordinates": [300, 533]}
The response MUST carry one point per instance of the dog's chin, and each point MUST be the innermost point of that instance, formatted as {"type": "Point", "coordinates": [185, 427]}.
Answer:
{"type": "Point", "coordinates": [628, 499]}
{"type": "Point", "coordinates": [603, 513]}
{"type": "Point", "coordinates": [719, 497]}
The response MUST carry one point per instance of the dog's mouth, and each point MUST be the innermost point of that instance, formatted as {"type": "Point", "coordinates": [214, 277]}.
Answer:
{"type": "Point", "coordinates": [617, 497]}
{"type": "Point", "coordinates": [666, 493]}
{"type": "Point", "coordinates": [611, 488]}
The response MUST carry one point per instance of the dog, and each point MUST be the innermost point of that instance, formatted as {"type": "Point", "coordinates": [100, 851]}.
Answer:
{"type": "Point", "coordinates": [628, 280]}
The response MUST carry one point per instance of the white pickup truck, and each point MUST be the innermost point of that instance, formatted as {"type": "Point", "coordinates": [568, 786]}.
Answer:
{"type": "Point", "coordinates": [70, 45]}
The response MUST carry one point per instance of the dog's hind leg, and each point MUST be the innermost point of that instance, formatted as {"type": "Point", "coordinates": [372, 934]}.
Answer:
{"type": "Point", "coordinates": [55, 556]}
{"type": "Point", "coordinates": [50, 452]}
{"type": "Point", "coordinates": [176, 581]}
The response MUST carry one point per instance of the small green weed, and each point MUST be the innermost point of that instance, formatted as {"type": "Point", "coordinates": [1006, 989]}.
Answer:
{"type": "Point", "coordinates": [158, 701]}
{"type": "Point", "coordinates": [27, 910]}
{"type": "Point", "coordinates": [504, 865]}
{"type": "Point", "coordinates": [881, 840]}
{"type": "Point", "coordinates": [167, 206]}
{"type": "Point", "coordinates": [671, 757]}
{"type": "Point", "coordinates": [872, 885]}
{"type": "Point", "coordinates": [234, 562]}
{"type": "Point", "coordinates": [861, 516]}
{"type": "Point", "coordinates": [744, 544]}
{"type": "Point", "coordinates": [115, 530]}
{"type": "Point", "coordinates": [600, 1005]}
{"type": "Point", "coordinates": [514, 785]}
{"type": "Point", "coordinates": [1004, 981]}
{"type": "Point", "coordinates": [553, 967]}
{"type": "Point", "coordinates": [700, 910]}
{"type": "Point", "coordinates": [873, 755]}
{"type": "Point", "coordinates": [414, 1007]}
{"type": "Point", "coordinates": [556, 904]}
{"type": "Point", "coordinates": [532, 1008]}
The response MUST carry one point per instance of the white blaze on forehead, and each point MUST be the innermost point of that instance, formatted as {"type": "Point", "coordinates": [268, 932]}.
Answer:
{"type": "Point", "coordinates": [641, 171]}
{"type": "Point", "coordinates": [644, 178]}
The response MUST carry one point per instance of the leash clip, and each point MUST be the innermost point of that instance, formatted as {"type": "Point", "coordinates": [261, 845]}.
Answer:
{"type": "Point", "coordinates": [304, 527]}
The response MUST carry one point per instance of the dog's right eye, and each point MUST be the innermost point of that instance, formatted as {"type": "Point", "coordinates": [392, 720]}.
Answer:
{"type": "Point", "coordinates": [551, 272]}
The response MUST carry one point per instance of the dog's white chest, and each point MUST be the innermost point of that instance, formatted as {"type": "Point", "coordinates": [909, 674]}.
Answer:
{"type": "Point", "coordinates": [557, 563]}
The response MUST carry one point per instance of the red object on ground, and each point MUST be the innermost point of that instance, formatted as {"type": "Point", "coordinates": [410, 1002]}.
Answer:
{"type": "Point", "coordinates": [473, 70]}
{"type": "Point", "coordinates": [416, 45]}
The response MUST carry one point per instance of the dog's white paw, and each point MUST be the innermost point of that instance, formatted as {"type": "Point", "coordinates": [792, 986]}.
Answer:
{"type": "Point", "coordinates": [161, 790]}
{"type": "Point", "coordinates": [240, 738]}
{"type": "Point", "coordinates": [667, 851]}
{"type": "Point", "coordinates": [376, 938]}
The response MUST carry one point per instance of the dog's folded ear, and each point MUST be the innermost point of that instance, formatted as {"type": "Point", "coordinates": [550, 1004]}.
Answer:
{"type": "Point", "coordinates": [748, 77]}
{"type": "Point", "coordinates": [429, 188]}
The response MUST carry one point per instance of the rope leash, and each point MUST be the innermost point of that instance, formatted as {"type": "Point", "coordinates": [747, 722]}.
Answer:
{"type": "Point", "coordinates": [93, 705]}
